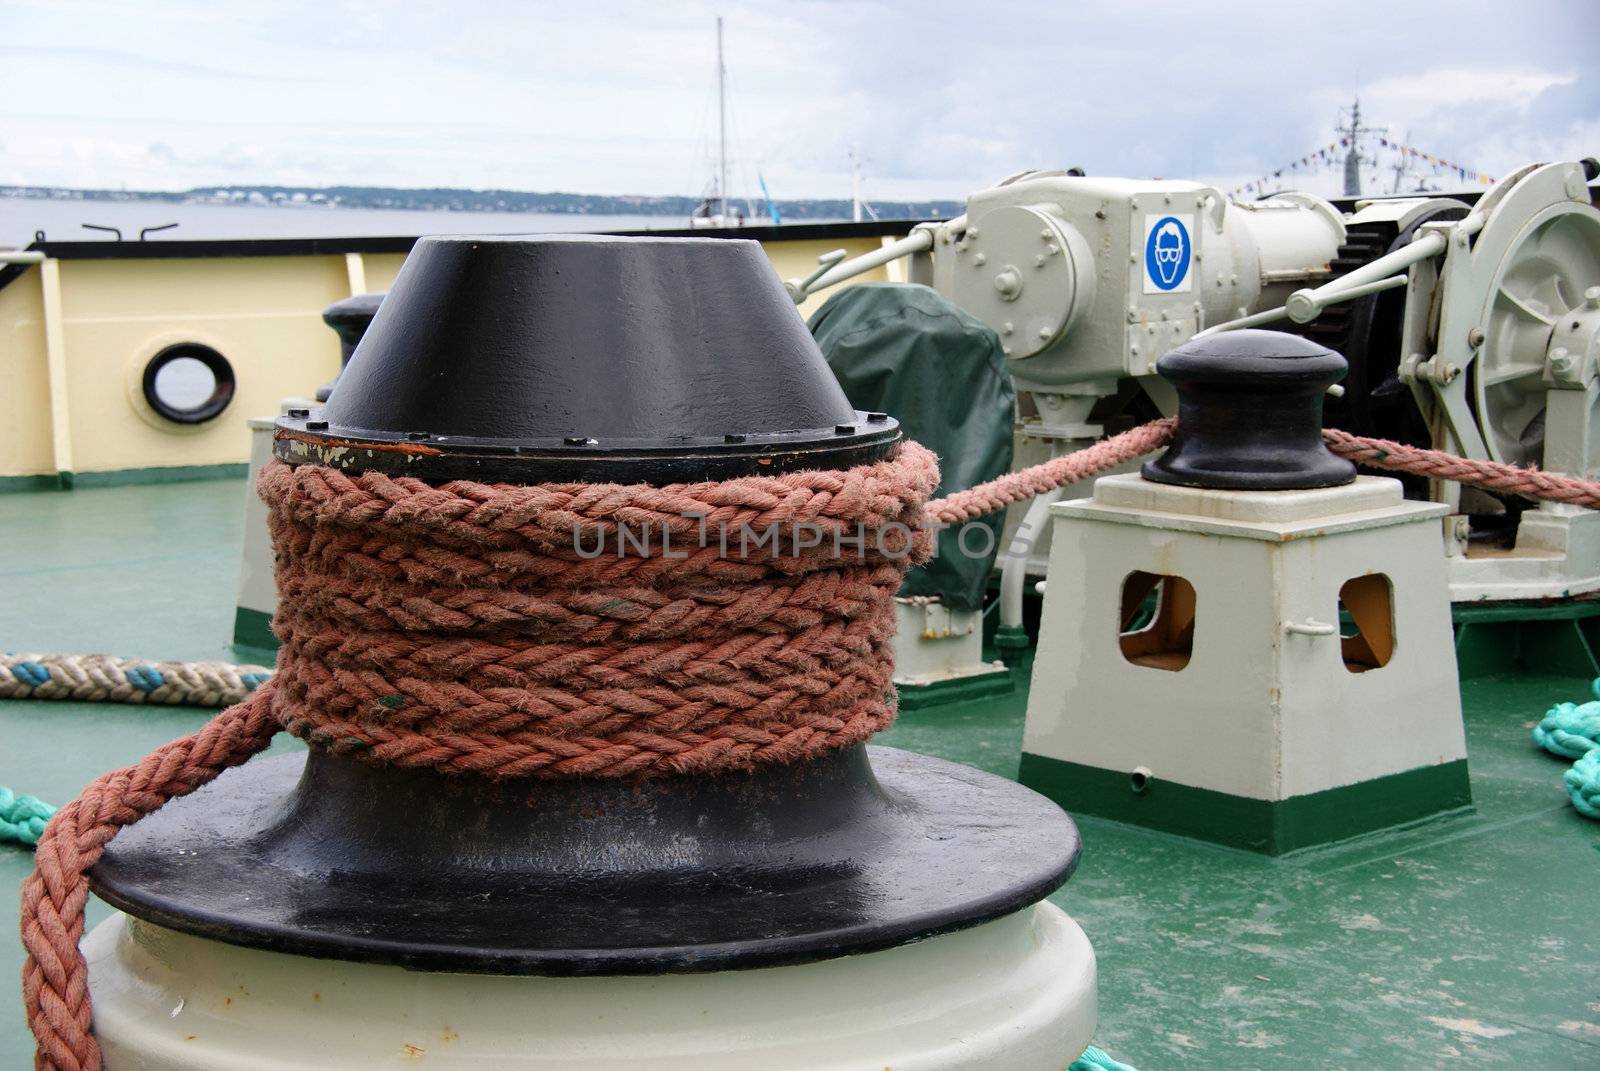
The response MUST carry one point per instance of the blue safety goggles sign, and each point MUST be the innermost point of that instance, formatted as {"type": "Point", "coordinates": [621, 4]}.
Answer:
{"type": "Point", "coordinates": [1168, 252]}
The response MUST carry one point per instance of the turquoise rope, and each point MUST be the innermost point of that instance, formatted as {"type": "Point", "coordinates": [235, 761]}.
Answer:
{"type": "Point", "coordinates": [1572, 731]}
{"type": "Point", "coordinates": [22, 818]}
{"type": "Point", "coordinates": [1583, 784]}
{"type": "Point", "coordinates": [1094, 1059]}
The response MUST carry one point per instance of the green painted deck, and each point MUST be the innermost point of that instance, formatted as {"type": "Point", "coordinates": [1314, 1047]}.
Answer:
{"type": "Point", "coordinates": [1467, 942]}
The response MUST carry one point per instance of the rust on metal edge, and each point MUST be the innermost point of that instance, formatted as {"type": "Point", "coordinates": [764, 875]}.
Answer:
{"type": "Point", "coordinates": [329, 443]}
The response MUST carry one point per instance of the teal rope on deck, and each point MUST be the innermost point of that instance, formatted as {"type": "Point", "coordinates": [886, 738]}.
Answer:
{"type": "Point", "coordinates": [22, 818]}
{"type": "Point", "coordinates": [1572, 731]}
{"type": "Point", "coordinates": [1094, 1059]}
{"type": "Point", "coordinates": [1583, 784]}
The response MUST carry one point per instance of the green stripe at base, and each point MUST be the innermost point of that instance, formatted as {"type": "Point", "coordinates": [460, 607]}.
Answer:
{"type": "Point", "coordinates": [1270, 826]}
{"type": "Point", "coordinates": [955, 690]}
{"type": "Point", "coordinates": [51, 482]}
{"type": "Point", "coordinates": [253, 628]}
{"type": "Point", "coordinates": [66, 481]}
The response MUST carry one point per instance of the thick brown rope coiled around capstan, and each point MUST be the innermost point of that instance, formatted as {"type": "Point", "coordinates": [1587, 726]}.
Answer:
{"type": "Point", "coordinates": [465, 627]}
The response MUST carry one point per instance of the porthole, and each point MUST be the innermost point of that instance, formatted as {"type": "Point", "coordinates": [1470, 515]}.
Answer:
{"type": "Point", "coordinates": [188, 383]}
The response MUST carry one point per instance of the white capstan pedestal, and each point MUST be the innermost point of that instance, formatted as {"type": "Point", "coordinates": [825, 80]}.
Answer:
{"type": "Point", "coordinates": [938, 654]}
{"type": "Point", "coordinates": [1223, 703]}
{"type": "Point", "coordinates": [257, 595]}
{"type": "Point", "coordinates": [1557, 556]}
{"type": "Point", "coordinates": [1015, 993]}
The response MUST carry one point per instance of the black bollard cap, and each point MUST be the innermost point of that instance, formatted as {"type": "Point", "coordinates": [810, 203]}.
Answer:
{"type": "Point", "coordinates": [1250, 414]}
{"type": "Point", "coordinates": [349, 319]}
{"type": "Point", "coordinates": [580, 357]}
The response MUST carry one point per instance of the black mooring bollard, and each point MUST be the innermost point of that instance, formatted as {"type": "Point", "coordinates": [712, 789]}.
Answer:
{"type": "Point", "coordinates": [1250, 414]}
{"type": "Point", "coordinates": [349, 319]}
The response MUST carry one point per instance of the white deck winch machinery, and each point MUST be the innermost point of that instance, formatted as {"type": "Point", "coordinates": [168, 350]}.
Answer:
{"type": "Point", "coordinates": [1470, 328]}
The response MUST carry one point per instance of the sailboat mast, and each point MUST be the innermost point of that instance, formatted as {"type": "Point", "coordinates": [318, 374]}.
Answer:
{"type": "Point", "coordinates": [855, 185]}
{"type": "Point", "coordinates": [722, 124]}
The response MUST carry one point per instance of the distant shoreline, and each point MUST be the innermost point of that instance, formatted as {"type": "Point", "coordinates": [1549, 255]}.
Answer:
{"type": "Point", "coordinates": [447, 199]}
{"type": "Point", "coordinates": [24, 220]}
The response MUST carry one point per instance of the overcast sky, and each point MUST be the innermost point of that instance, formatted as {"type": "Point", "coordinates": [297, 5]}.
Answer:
{"type": "Point", "coordinates": [941, 98]}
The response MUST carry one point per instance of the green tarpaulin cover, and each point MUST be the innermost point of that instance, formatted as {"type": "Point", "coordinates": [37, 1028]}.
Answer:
{"type": "Point", "coordinates": [906, 351]}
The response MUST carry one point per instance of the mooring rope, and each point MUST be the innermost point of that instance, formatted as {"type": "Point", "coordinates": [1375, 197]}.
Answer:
{"type": "Point", "coordinates": [1439, 465]}
{"type": "Point", "coordinates": [462, 627]}
{"type": "Point", "coordinates": [1063, 471]}
{"type": "Point", "coordinates": [466, 627]}
{"type": "Point", "coordinates": [108, 679]}
{"type": "Point", "coordinates": [55, 978]}
{"type": "Point", "coordinates": [1076, 467]}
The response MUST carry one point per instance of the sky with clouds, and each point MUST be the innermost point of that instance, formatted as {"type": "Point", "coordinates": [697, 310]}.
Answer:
{"type": "Point", "coordinates": [619, 97]}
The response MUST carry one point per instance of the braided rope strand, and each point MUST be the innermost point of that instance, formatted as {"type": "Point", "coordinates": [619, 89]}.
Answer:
{"type": "Point", "coordinates": [1438, 465]}
{"type": "Point", "coordinates": [105, 678]}
{"type": "Point", "coordinates": [55, 985]}
{"type": "Point", "coordinates": [1060, 471]}
{"type": "Point", "coordinates": [1374, 453]}
{"type": "Point", "coordinates": [419, 622]}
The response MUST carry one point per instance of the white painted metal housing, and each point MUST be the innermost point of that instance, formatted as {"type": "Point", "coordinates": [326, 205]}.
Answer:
{"type": "Point", "coordinates": [1016, 993]}
{"type": "Point", "coordinates": [934, 644]}
{"type": "Point", "coordinates": [1266, 706]}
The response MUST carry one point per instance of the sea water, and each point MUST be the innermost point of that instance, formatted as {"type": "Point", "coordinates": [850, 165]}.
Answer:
{"type": "Point", "coordinates": [61, 220]}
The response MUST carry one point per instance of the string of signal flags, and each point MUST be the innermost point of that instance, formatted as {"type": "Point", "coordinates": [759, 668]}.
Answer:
{"type": "Point", "coordinates": [1330, 154]}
